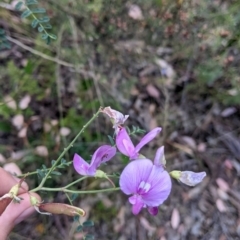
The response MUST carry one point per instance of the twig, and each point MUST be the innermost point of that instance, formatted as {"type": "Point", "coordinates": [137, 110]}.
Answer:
{"type": "Point", "coordinates": [42, 55]}
{"type": "Point", "coordinates": [166, 110]}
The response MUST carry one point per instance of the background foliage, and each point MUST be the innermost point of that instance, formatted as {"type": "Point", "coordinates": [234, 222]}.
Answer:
{"type": "Point", "coordinates": [168, 63]}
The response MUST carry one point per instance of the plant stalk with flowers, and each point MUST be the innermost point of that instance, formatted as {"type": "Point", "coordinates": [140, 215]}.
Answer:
{"type": "Point", "coordinates": [146, 182]}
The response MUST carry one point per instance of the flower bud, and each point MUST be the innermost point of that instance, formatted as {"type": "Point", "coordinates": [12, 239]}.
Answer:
{"type": "Point", "coordinates": [188, 177]}
{"type": "Point", "coordinates": [61, 208]}
{"type": "Point", "coordinates": [100, 174]}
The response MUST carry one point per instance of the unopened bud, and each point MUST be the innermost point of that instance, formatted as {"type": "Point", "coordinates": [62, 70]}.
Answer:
{"type": "Point", "coordinates": [61, 208]}
{"type": "Point", "coordinates": [100, 174]}
{"type": "Point", "coordinates": [188, 177]}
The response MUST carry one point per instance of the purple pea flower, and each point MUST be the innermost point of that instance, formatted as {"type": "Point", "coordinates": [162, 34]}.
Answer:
{"type": "Point", "coordinates": [101, 155]}
{"type": "Point", "coordinates": [148, 183]}
{"type": "Point", "coordinates": [126, 147]}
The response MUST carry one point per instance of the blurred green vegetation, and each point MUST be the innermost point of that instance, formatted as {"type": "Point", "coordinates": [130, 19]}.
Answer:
{"type": "Point", "coordinates": [90, 66]}
{"type": "Point", "coordinates": [203, 35]}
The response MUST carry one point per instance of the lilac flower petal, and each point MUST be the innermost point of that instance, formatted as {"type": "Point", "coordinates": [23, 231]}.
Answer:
{"type": "Point", "coordinates": [129, 149]}
{"type": "Point", "coordinates": [161, 185]}
{"type": "Point", "coordinates": [138, 204]}
{"type": "Point", "coordinates": [159, 159]}
{"type": "Point", "coordinates": [153, 210]}
{"type": "Point", "coordinates": [133, 174]}
{"type": "Point", "coordinates": [101, 155]}
{"type": "Point", "coordinates": [109, 154]}
{"type": "Point", "coordinates": [133, 199]}
{"type": "Point", "coordinates": [124, 143]}
{"type": "Point", "coordinates": [80, 165]}
{"type": "Point", "coordinates": [147, 138]}
{"type": "Point", "coordinates": [191, 178]}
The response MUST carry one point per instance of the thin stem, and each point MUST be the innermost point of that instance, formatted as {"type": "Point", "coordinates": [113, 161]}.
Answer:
{"type": "Point", "coordinates": [113, 176]}
{"type": "Point", "coordinates": [74, 191]}
{"type": "Point", "coordinates": [68, 198]}
{"type": "Point", "coordinates": [45, 56]}
{"type": "Point", "coordinates": [29, 174]}
{"type": "Point", "coordinates": [77, 181]}
{"type": "Point", "coordinates": [109, 179]}
{"type": "Point", "coordinates": [35, 172]}
{"type": "Point", "coordinates": [65, 150]}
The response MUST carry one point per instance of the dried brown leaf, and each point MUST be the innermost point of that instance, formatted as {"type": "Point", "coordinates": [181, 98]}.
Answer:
{"type": "Point", "coordinates": [47, 127]}
{"type": "Point", "coordinates": [18, 121]}
{"type": "Point", "coordinates": [135, 12]}
{"type": "Point", "coordinates": [145, 223]}
{"type": "Point", "coordinates": [201, 147]}
{"type": "Point", "coordinates": [41, 151]}
{"type": "Point", "coordinates": [23, 132]}
{"type": "Point", "coordinates": [222, 194]}
{"type": "Point", "coordinates": [228, 111]}
{"type": "Point", "coordinates": [175, 218]}
{"type": "Point", "coordinates": [10, 102]}
{"type": "Point", "coordinates": [121, 219]}
{"type": "Point", "coordinates": [222, 184]}
{"type": "Point", "coordinates": [189, 141]}
{"type": "Point", "coordinates": [64, 131]}
{"type": "Point", "coordinates": [24, 102]}
{"type": "Point", "coordinates": [153, 91]}
{"type": "Point", "coordinates": [221, 206]}
{"type": "Point", "coordinates": [182, 148]}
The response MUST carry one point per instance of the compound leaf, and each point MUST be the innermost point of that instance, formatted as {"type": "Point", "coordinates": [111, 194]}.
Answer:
{"type": "Point", "coordinates": [18, 5]}
{"type": "Point", "coordinates": [26, 13]}
{"type": "Point", "coordinates": [38, 10]}
{"type": "Point", "coordinates": [34, 23]}
{"type": "Point", "coordinates": [31, 2]}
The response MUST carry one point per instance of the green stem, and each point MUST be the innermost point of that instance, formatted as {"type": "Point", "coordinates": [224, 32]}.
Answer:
{"type": "Point", "coordinates": [69, 199]}
{"type": "Point", "coordinates": [78, 180]}
{"type": "Point", "coordinates": [44, 30]}
{"type": "Point", "coordinates": [29, 174]}
{"type": "Point", "coordinates": [64, 151]}
{"type": "Point", "coordinates": [35, 172]}
{"type": "Point", "coordinates": [73, 191]}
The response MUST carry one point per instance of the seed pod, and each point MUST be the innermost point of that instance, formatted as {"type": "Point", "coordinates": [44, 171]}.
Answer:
{"type": "Point", "coordinates": [61, 208]}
